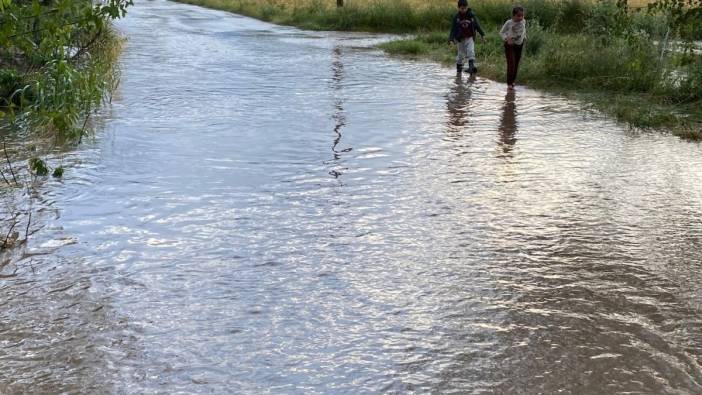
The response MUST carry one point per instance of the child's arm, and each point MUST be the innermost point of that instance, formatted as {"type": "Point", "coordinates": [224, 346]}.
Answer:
{"type": "Point", "coordinates": [504, 32]}
{"type": "Point", "coordinates": [477, 26]}
{"type": "Point", "coordinates": [454, 30]}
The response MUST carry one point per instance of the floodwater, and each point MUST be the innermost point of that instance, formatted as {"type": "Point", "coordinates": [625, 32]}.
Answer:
{"type": "Point", "coordinates": [268, 210]}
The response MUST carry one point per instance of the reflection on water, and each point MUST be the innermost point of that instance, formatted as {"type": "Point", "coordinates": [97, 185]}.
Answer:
{"type": "Point", "coordinates": [338, 115]}
{"type": "Point", "coordinates": [458, 102]}
{"type": "Point", "coordinates": [200, 245]}
{"type": "Point", "coordinates": [508, 123]}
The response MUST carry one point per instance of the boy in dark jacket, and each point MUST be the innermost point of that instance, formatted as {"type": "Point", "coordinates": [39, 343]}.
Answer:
{"type": "Point", "coordinates": [463, 30]}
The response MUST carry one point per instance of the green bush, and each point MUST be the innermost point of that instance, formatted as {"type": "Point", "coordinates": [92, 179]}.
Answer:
{"type": "Point", "coordinates": [684, 85]}
{"type": "Point", "coordinates": [691, 31]}
{"type": "Point", "coordinates": [656, 25]}
{"type": "Point", "coordinates": [603, 19]}
{"type": "Point", "coordinates": [607, 19]}
{"type": "Point", "coordinates": [61, 71]}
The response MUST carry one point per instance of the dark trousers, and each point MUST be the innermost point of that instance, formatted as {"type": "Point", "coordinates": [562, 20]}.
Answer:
{"type": "Point", "coordinates": [514, 54]}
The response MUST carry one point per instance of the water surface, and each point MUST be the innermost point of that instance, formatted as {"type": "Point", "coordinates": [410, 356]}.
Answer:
{"type": "Point", "coordinates": [269, 210]}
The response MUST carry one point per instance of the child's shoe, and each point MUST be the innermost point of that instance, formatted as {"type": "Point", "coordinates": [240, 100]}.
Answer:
{"type": "Point", "coordinates": [459, 68]}
{"type": "Point", "coordinates": [471, 67]}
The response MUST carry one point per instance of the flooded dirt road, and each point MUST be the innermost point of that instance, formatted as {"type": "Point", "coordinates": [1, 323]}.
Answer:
{"type": "Point", "coordinates": [268, 210]}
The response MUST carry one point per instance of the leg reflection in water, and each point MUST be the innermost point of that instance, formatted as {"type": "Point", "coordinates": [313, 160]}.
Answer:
{"type": "Point", "coordinates": [457, 103]}
{"type": "Point", "coordinates": [338, 115]}
{"type": "Point", "coordinates": [508, 124]}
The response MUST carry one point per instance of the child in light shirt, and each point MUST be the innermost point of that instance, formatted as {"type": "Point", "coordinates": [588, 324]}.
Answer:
{"type": "Point", "coordinates": [513, 33]}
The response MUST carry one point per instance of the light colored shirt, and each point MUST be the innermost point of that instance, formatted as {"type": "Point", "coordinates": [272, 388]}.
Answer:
{"type": "Point", "coordinates": [514, 30]}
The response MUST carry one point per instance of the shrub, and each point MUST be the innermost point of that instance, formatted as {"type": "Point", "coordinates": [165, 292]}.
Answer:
{"type": "Point", "coordinates": [683, 85]}
{"type": "Point", "coordinates": [603, 19]}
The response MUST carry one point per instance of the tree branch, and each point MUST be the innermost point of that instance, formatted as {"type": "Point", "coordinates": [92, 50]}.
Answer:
{"type": "Point", "coordinates": [87, 46]}
{"type": "Point", "coordinates": [4, 148]}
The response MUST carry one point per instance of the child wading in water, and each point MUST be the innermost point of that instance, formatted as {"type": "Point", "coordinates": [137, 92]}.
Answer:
{"type": "Point", "coordinates": [463, 29]}
{"type": "Point", "coordinates": [513, 33]}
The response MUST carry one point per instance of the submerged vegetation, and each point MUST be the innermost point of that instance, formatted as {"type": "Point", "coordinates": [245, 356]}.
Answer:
{"type": "Point", "coordinates": [57, 65]}
{"type": "Point", "coordinates": [634, 61]}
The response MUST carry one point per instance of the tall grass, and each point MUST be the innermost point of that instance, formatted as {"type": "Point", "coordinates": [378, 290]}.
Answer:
{"type": "Point", "coordinates": [409, 15]}
{"type": "Point", "coordinates": [400, 15]}
{"type": "Point", "coordinates": [378, 16]}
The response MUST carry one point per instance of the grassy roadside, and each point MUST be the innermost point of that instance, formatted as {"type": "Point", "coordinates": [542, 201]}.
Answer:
{"type": "Point", "coordinates": [592, 51]}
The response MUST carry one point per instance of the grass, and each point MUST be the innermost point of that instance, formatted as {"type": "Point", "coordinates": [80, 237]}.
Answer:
{"type": "Point", "coordinates": [578, 47]}
{"type": "Point", "coordinates": [380, 16]}
{"type": "Point", "coordinates": [401, 15]}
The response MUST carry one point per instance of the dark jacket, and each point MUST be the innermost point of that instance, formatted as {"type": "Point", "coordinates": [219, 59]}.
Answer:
{"type": "Point", "coordinates": [456, 31]}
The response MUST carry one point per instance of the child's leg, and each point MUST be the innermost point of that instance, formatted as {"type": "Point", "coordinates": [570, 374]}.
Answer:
{"type": "Point", "coordinates": [461, 56]}
{"type": "Point", "coordinates": [470, 52]}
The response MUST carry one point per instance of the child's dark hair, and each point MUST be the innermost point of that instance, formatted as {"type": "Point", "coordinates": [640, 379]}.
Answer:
{"type": "Point", "coordinates": [517, 9]}
{"type": "Point", "coordinates": [463, 3]}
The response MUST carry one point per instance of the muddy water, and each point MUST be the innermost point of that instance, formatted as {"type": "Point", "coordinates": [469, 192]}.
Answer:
{"type": "Point", "coordinates": [266, 210]}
